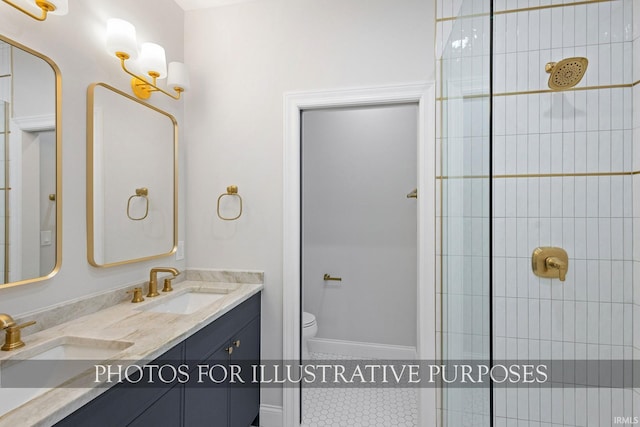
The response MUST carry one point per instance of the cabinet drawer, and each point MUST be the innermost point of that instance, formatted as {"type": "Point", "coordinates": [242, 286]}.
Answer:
{"type": "Point", "coordinates": [122, 403]}
{"type": "Point", "coordinates": [203, 343]}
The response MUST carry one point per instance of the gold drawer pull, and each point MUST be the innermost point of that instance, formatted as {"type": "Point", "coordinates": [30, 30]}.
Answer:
{"type": "Point", "coordinates": [328, 277]}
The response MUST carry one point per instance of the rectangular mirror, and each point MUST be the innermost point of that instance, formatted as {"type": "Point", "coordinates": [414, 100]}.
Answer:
{"type": "Point", "coordinates": [132, 158]}
{"type": "Point", "coordinates": [30, 171]}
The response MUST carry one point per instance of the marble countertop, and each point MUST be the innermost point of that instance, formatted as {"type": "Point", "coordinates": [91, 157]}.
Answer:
{"type": "Point", "coordinates": [150, 334]}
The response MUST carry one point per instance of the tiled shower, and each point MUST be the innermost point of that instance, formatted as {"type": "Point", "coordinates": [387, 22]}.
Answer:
{"type": "Point", "coordinates": [524, 166]}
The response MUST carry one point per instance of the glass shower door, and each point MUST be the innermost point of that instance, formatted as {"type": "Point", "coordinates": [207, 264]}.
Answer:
{"type": "Point", "coordinates": [464, 105]}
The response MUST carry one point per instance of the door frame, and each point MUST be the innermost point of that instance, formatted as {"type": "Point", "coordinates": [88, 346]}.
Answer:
{"type": "Point", "coordinates": [422, 93]}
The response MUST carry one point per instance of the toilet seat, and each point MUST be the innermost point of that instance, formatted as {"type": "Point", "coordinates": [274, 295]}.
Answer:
{"type": "Point", "coordinates": [308, 319]}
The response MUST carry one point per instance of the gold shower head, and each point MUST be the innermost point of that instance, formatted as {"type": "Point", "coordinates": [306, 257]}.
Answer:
{"type": "Point", "coordinates": [566, 73]}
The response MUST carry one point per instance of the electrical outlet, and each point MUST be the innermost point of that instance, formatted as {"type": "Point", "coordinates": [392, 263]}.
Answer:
{"type": "Point", "coordinates": [180, 250]}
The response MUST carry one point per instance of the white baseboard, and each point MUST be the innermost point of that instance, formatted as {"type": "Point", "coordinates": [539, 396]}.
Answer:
{"type": "Point", "coordinates": [270, 416]}
{"type": "Point", "coordinates": [362, 349]}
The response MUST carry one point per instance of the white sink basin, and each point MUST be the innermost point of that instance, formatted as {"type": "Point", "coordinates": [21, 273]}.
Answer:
{"type": "Point", "coordinates": [184, 303]}
{"type": "Point", "coordinates": [35, 370]}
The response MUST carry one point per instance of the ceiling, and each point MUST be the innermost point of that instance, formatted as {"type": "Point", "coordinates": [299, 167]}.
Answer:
{"type": "Point", "coordinates": [205, 4]}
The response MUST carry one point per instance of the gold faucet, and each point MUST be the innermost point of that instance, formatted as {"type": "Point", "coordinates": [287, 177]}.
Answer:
{"type": "Point", "coordinates": [153, 279]}
{"type": "Point", "coordinates": [12, 339]}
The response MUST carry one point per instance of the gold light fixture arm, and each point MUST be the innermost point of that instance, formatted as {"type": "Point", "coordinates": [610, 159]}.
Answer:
{"type": "Point", "coordinates": [45, 6]}
{"type": "Point", "coordinates": [141, 86]}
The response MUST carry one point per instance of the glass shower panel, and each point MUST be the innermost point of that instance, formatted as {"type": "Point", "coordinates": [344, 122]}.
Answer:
{"type": "Point", "coordinates": [464, 188]}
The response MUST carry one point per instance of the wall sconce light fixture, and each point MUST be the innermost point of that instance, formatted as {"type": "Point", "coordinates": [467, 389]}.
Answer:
{"type": "Point", "coordinates": [55, 7]}
{"type": "Point", "coordinates": [149, 65]}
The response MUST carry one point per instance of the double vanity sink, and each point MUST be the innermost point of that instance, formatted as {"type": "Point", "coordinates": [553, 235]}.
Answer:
{"type": "Point", "coordinates": [55, 372]}
{"type": "Point", "coordinates": [186, 302]}
{"type": "Point", "coordinates": [50, 365]}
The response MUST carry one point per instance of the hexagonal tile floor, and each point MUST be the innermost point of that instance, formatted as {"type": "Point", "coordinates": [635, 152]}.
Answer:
{"type": "Point", "coordinates": [358, 407]}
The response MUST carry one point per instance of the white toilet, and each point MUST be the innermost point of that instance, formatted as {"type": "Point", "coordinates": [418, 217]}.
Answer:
{"type": "Point", "coordinates": [309, 330]}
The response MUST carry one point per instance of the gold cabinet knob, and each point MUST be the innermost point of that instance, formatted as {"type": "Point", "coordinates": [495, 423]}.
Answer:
{"type": "Point", "coordinates": [229, 350]}
{"type": "Point", "coordinates": [236, 343]}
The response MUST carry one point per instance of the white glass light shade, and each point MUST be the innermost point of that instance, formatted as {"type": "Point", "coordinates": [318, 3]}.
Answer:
{"type": "Point", "coordinates": [178, 76]}
{"type": "Point", "coordinates": [62, 7]}
{"type": "Point", "coordinates": [121, 37]}
{"type": "Point", "coordinates": [153, 59]}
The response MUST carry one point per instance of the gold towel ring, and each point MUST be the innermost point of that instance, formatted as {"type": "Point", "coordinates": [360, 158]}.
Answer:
{"type": "Point", "coordinates": [142, 193]}
{"type": "Point", "coordinates": [232, 190]}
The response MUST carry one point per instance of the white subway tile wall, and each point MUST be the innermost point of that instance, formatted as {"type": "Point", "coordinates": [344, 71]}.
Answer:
{"type": "Point", "coordinates": [595, 218]}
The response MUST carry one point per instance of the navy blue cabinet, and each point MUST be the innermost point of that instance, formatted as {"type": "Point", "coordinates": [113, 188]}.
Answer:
{"type": "Point", "coordinates": [165, 411]}
{"type": "Point", "coordinates": [229, 344]}
{"type": "Point", "coordinates": [246, 354]}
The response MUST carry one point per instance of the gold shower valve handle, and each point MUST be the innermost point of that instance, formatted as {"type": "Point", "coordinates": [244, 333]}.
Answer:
{"type": "Point", "coordinates": [555, 263]}
{"type": "Point", "coordinates": [550, 263]}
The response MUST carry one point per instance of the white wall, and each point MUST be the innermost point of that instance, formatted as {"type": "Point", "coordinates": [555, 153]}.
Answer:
{"type": "Point", "coordinates": [358, 165]}
{"type": "Point", "coordinates": [243, 58]}
{"type": "Point", "coordinates": [76, 43]}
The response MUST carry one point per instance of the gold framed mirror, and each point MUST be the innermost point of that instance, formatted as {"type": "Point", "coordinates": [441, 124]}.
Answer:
{"type": "Point", "coordinates": [132, 179]}
{"type": "Point", "coordinates": [31, 165]}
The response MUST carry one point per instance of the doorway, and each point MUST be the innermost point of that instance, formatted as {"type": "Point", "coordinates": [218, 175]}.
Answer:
{"type": "Point", "coordinates": [359, 253]}
{"type": "Point", "coordinates": [295, 105]}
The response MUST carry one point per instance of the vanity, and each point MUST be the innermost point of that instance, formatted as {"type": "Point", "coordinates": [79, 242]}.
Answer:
{"type": "Point", "coordinates": [201, 341]}
{"type": "Point", "coordinates": [183, 357]}
{"type": "Point", "coordinates": [232, 339]}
